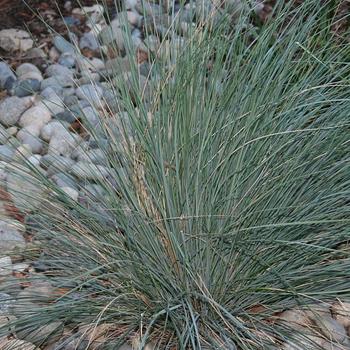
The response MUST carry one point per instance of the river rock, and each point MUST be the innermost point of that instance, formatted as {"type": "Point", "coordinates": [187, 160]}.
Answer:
{"type": "Point", "coordinates": [62, 45]}
{"type": "Point", "coordinates": [53, 128]}
{"type": "Point", "coordinates": [331, 329]}
{"type": "Point", "coordinates": [27, 192]}
{"type": "Point", "coordinates": [92, 64]}
{"type": "Point", "coordinates": [95, 156]}
{"type": "Point", "coordinates": [5, 267]}
{"type": "Point", "coordinates": [341, 312]}
{"type": "Point", "coordinates": [57, 163]}
{"type": "Point", "coordinates": [26, 87]}
{"type": "Point", "coordinates": [67, 60]}
{"type": "Point", "coordinates": [11, 109]}
{"type": "Point", "coordinates": [113, 35]}
{"type": "Point", "coordinates": [89, 171]}
{"type": "Point", "coordinates": [6, 152]}
{"type": "Point", "coordinates": [10, 238]}
{"type": "Point", "coordinates": [25, 137]}
{"type": "Point", "coordinates": [6, 75]}
{"type": "Point", "coordinates": [295, 318]}
{"type": "Point", "coordinates": [15, 39]}
{"type": "Point", "coordinates": [34, 119]}
{"type": "Point", "coordinates": [52, 101]}
{"type": "Point", "coordinates": [71, 192]}
{"type": "Point", "coordinates": [57, 70]}
{"type": "Point", "coordinates": [6, 300]}
{"type": "Point", "coordinates": [92, 93]}
{"type": "Point", "coordinates": [57, 82]}
{"type": "Point", "coordinates": [63, 180]}
{"type": "Point", "coordinates": [88, 40]}
{"type": "Point", "coordinates": [24, 69]}
{"type": "Point", "coordinates": [62, 142]}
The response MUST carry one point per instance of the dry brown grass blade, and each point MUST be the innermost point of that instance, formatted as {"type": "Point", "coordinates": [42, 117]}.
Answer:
{"type": "Point", "coordinates": [146, 203]}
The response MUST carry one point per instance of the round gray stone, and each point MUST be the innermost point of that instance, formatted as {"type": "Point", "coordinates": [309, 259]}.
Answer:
{"type": "Point", "coordinates": [67, 60]}
{"type": "Point", "coordinates": [88, 40]}
{"type": "Point", "coordinates": [11, 109]}
{"type": "Point", "coordinates": [10, 238]}
{"type": "Point", "coordinates": [92, 93]}
{"type": "Point", "coordinates": [62, 45]}
{"type": "Point", "coordinates": [5, 74]}
{"type": "Point", "coordinates": [26, 87]}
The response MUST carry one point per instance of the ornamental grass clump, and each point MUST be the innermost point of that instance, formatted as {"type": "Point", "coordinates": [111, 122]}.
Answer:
{"type": "Point", "coordinates": [223, 190]}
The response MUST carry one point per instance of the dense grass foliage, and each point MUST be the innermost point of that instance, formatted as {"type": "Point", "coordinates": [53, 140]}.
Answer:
{"type": "Point", "coordinates": [229, 195]}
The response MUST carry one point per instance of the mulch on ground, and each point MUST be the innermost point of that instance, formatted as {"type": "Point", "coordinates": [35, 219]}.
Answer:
{"type": "Point", "coordinates": [19, 13]}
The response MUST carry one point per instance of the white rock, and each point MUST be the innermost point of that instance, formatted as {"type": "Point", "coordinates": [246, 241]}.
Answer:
{"type": "Point", "coordinates": [20, 267]}
{"type": "Point", "coordinates": [52, 128]}
{"type": "Point", "coordinates": [32, 75]}
{"type": "Point", "coordinates": [35, 159]}
{"type": "Point", "coordinates": [11, 109]}
{"type": "Point", "coordinates": [331, 329]}
{"type": "Point", "coordinates": [63, 143]}
{"type": "Point", "coordinates": [57, 69]}
{"type": "Point", "coordinates": [26, 68]}
{"type": "Point", "coordinates": [54, 54]}
{"type": "Point", "coordinates": [3, 172]}
{"type": "Point", "coordinates": [90, 65]}
{"type": "Point", "coordinates": [10, 237]}
{"type": "Point", "coordinates": [295, 318]}
{"type": "Point", "coordinates": [89, 92]}
{"type": "Point", "coordinates": [88, 77]}
{"type": "Point", "coordinates": [133, 17]}
{"type": "Point", "coordinates": [22, 152]}
{"type": "Point", "coordinates": [34, 119]}
{"type": "Point", "coordinates": [88, 9]}
{"type": "Point", "coordinates": [27, 192]}
{"type": "Point", "coordinates": [341, 312]}
{"type": "Point", "coordinates": [4, 135]}
{"type": "Point", "coordinates": [89, 171]}
{"type": "Point", "coordinates": [130, 4]}
{"type": "Point", "coordinates": [5, 266]}
{"type": "Point", "coordinates": [25, 137]}
{"type": "Point", "coordinates": [12, 131]}
{"type": "Point", "coordinates": [52, 101]}
{"type": "Point", "coordinates": [71, 192]}
{"type": "Point", "coordinates": [15, 39]}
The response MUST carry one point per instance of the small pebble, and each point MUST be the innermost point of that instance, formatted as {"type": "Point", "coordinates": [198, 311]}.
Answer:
{"type": "Point", "coordinates": [62, 45]}
{"type": "Point", "coordinates": [88, 40]}
{"type": "Point", "coordinates": [67, 60]}
{"type": "Point", "coordinates": [5, 268]}
{"type": "Point", "coordinates": [6, 74]}
{"type": "Point", "coordinates": [71, 192]}
{"type": "Point", "coordinates": [26, 87]}
{"type": "Point", "coordinates": [11, 109]}
{"type": "Point", "coordinates": [92, 93]}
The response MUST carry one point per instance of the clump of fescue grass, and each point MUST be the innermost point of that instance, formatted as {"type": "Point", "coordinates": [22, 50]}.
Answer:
{"type": "Point", "coordinates": [229, 197]}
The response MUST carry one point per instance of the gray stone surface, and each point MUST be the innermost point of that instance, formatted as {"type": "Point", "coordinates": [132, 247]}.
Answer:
{"type": "Point", "coordinates": [5, 74]}
{"type": "Point", "coordinates": [6, 302]}
{"type": "Point", "coordinates": [11, 109]}
{"type": "Point", "coordinates": [62, 45]}
{"type": "Point", "coordinates": [15, 39]}
{"type": "Point", "coordinates": [88, 40]}
{"type": "Point", "coordinates": [10, 238]}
